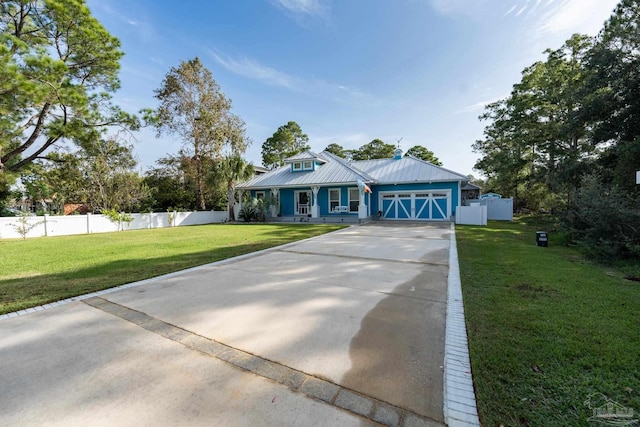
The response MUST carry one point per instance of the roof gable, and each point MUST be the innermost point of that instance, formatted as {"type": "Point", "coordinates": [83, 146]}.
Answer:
{"type": "Point", "coordinates": [305, 155]}
{"type": "Point", "coordinates": [335, 170]}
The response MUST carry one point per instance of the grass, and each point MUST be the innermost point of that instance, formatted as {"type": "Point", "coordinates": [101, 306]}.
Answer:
{"type": "Point", "coordinates": [546, 327]}
{"type": "Point", "coordinates": [42, 270]}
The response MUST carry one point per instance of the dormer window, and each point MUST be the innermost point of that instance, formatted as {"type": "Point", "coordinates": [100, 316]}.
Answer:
{"type": "Point", "coordinates": [305, 162]}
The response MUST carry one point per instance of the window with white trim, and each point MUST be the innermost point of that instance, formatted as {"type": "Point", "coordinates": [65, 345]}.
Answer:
{"type": "Point", "coordinates": [354, 199]}
{"type": "Point", "coordinates": [308, 165]}
{"type": "Point", "coordinates": [259, 195]}
{"type": "Point", "coordinates": [334, 198]}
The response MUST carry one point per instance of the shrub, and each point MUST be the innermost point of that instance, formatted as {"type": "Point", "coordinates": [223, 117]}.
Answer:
{"type": "Point", "coordinates": [24, 225]}
{"type": "Point", "coordinates": [118, 218]}
{"type": "Point", "coordinates": [247, 213]}
{"type": "Point", "coordinates": [606, 221]}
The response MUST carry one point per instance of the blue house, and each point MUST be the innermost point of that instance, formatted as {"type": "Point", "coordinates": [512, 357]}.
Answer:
{"type": "Point", "coordinates": [325, 185]}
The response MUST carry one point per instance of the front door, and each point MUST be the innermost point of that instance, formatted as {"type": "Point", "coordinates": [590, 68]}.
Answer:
{"type": "Point", "coordinates": [303, 202]}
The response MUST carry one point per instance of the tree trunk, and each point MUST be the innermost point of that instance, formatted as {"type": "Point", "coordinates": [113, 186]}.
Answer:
{"type": "Point", "coordinates": [231, 199]}
{"type": "Point", "coordinates": [199, 183]}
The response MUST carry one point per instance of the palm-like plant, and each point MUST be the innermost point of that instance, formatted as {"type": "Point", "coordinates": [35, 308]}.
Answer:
{"type": "Point", "coordinates": [231, 170]}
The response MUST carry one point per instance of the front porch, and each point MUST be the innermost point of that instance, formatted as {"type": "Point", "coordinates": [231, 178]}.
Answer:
{"type": "Point", "coordinates": [325, 219]}
{"type": "Point", "coordinates": [329, 204]}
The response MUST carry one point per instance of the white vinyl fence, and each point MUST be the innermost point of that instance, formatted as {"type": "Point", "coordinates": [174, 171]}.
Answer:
{"type": "Point", "coordinates": [499, 209]}
{"type": "Point", "coordinates": [475, 214]}
{"type": "Point", "coordinates": [48, 225]}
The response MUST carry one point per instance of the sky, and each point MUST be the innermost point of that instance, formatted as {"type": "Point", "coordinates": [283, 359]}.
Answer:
{"type": "Point", "coordinates": [409, 72]}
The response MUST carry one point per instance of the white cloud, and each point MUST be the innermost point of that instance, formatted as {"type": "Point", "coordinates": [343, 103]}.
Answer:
{"type": "Point", "coordinates": [574, 16]}
{"type": "Point", "coordinates": [313, 8]}
{"type": "Point", "coordinates": [521, 11]}
{"type": "Point", "coordinates": [550, 17]}
{"type": "Point", "coordinates": [144, 29]}
{"type": "Point", "coordinates": [476, 107]}
{"type": "Point", "coordinates": [252, 69]}
{"type": "Point", "coordinates": [510, 10]}
{"type": "Point", "coordinates": [455, 7]}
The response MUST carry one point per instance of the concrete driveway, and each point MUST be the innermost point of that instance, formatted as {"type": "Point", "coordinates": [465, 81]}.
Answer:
{"type": "Point", "coordinates": [343, 329]}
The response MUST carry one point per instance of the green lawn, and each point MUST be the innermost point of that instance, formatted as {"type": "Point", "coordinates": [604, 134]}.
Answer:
{"type": "Point", "coordinates": [42, 270]}
{"type": "Point", "coordinates": [546, 328]}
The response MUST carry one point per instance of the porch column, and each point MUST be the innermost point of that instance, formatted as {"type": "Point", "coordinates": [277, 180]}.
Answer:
{"type": "Point", "coordinates": [275, 196]}
{"type": "Point", "coordinates": [236, 212]}
{"type": "Point", "coordinates": [362, 207]}
{"type": "Point", "coordinates": [315, 212]}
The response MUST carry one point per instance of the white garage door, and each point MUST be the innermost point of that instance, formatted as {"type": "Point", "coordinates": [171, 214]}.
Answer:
{"type": "Point", "coordinates": [432, 205]}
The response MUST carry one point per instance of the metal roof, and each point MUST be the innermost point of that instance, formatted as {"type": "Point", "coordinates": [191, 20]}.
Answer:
{"type": "Point", "coordinates": [405, 170]}
{"type": "Point", "coordinates": [471, 186]}
{"type": "Point", "coordinates": [337, 170]}
{"type": "Point", "coordinates": [334, 171]}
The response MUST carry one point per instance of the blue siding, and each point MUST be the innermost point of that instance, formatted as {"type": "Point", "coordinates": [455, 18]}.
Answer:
{"type": "Point", "coordinates": [266, 192]}
{"type": "Point", "coordinates": [287, 201]}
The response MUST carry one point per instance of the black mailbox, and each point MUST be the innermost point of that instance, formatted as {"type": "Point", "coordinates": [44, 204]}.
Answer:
{"type": "Point", "coordinates": [542, 238]}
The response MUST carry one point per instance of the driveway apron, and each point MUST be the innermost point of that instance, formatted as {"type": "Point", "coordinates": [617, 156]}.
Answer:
{"type": "Point", "coordinates": [343, 329]}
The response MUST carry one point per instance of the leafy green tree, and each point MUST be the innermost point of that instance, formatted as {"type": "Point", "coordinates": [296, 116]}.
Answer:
{"type": "Point", "coordinates": [569, 135]}
{"type": "Point", "coordinates": [108, 177]}
{"type": "Point", "coordinates": [170, 185]}
{"type": "Point", "coordinates": [538, 140]}
{"type": "Point", "coordinates": [477, 181]}
{"type": "Point", "coordinates": [615, 83]}
{"type": "Point", "coordinates": [503, 161]}
{"type": "Point", "coordinates": [338, 150]}
{"type": "Point", "coordinates": [614, 101]}
{"type": "Point", "coordinates": [58, 180]}
{"type": "Point", "coordinates": [606, 220]}
{"type": "Point", "coordinates": [101, 175]}
{"type": "Point", "coordinates": [376, 149]}
{"type": "Point", "coordinates": [39, 192]}
{"type": "Point", "coordinates": [424, 154]}
{"type": "Point", "coordinates": [287, 141]}
{"type": "Point", "coordinates": [231, 170]}
{"type": "Point", "coordinates": [173, 184]}
{"type": "Point", "coordinates": [193, 106]}
{"type": "Point", "coordinates": [58, 68]}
